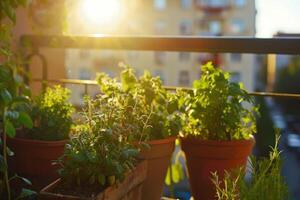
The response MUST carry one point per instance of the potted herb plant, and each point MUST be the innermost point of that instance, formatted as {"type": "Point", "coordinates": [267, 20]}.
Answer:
{"type": "Point", "coordinates": [99, 162]}
{"type": "Point", "coordinates": [217, 129]}
{"type": "Point", "coordinates": [266, 180]}
{"type": "Point", "coordinates": [163, 121]}
{"type": "Point", "coordinates": [36, 148]}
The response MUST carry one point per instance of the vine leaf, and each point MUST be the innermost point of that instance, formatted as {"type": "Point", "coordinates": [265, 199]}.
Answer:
{"type": "Point", "coordinates": [25, 120]}
{"type": "Point", "coordinates": [10, 129]}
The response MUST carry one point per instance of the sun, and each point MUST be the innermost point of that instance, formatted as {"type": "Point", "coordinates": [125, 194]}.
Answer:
{"type": "Point", "coordinates": [101, 12]}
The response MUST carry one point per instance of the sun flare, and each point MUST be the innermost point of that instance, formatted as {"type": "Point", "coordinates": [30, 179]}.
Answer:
{"type": "Point", "coordinates": [101, 12]}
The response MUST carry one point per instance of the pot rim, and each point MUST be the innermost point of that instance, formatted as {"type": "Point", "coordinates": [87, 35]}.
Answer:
{"type": "Point", "coordinates": [38, 142]}
{"type": "Point", "coordinates": [162, 141]}
{"type": "Point", "coordinates": [195, 140]}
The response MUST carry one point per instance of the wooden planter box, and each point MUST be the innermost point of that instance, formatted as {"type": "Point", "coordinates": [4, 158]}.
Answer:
{"type": "Point", "coordinates": [129, 189]}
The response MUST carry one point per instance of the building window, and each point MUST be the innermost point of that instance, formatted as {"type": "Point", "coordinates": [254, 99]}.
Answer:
{"type": "Point", "coordinates": [240, 3]}
{"type": "Point", "coordinates": [84, 54]}
{"type": "Point", "coordinates": [160, 74]}
{"type": "Point", "coordinates": [186, 4]}
{"type": "Point", "coordinates": [184, 56]}
{"type": "Point", "coordinates": [133, 54]}
{"type": "Point", "coordinates": [109, 72]}
{"type": "Point", "coordinates": [237, 26]}
{"type": "Point", "coordinates": [185, 27]}
{"type": "Point", "coordinates": [160, 26]}
{"type": "Point", "coordinates": [184, 78]}
{"type": "Point", "coordinates": [160, 4]}
{"type": "Point", "coordinates": [235, 77]}
{"type": "Point", "coordinates": [212, 3]}
{"type": "Point", "coordinates": [159, 58]}
{"type": "Point", "coordinates": [215, 27]}
{"type": "Point", "coordinates": [236, 57]}
{"type": "Point", "coordinates": [84, 74]}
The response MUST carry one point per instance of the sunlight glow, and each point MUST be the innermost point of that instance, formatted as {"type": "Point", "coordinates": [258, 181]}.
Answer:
{"type": "Point", "coordinates": [101, 12]}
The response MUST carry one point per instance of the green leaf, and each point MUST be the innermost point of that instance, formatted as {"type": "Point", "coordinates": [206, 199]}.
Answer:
{"type": "Point", "coordinates": [5, 74]}
{"type": "Point", "coordinates": [13, 115]}
{"type": "Point", "coordinates": [25, 119]}
{"type": "Point", "coordinates": [127, 153]}
{"type": "Point", "coordinates": [26, 193]}
{"type": "Point", "coordinates": [21, 99]}
{"type": "Point", "coordinates": [128, 79]}
{"type": "Point", "coordinates": [9, 129]}
{"type": "Point", "coordinates": [25, 180]}
{"type": "Point", "coordinates": [9, 152]}
{"type": "Point", "coordinates": [22, 2]}
{"type": "Point", "coordinates": [5, 52]}
{"type": "Point", "coordinates": [168, 177]}
{"type": "Point", "coordinates": [176, 176]}
{"type": "Point", "coordinates": [18, 79]}
{"type": "Point", "coordinates": [101, 179]}
{"type": "Point", "coordinates": [26, 90]}
{"type": "Point", "coordinates": [6, 96]}
{"type": "Point", "coordinates": [172, 106]}
{"type": "Point", "coordinates": [111, 180]}
{"type": "Point", "coordinates": [3, 167]}
{"type": "Point", "coordinates": [9, 11]}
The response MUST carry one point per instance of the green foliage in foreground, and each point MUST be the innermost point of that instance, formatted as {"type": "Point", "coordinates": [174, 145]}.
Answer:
{"type": "Point", "coordinates": [52, 115]}
{"type": "Point", "coordinates": [153, 101]}
{"type": "Point", "coordinates": [99, 152]}
{"type": "Point", "coordinates": [215, 109]}
{"type": "Point", "coordinates": [13, 98]}
{"type": "Point", "coordinates": [266, 181]}
{"type": "Point", "coordinates": [265, 136]}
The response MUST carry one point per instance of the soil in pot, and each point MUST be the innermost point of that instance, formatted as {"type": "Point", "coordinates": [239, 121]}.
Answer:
{"type": "Point", "coordinates": [158, 158]}
{"type": "Point", "coordinates": [129, 189]}
{"type": "Point", "coordinates": [205, 157]}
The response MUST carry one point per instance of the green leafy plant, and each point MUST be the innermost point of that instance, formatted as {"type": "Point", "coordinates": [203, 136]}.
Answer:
{"type": "Point", "coordinates": [14, 99]}
{"type": "Point", "coordinates": [266, 180]}
{"type": "Point", "coordinates": [214, 110]}
{"type": "Point", "coordinates": [160, 106]}
{"type": "Point", "coordinates": [52, 115]}
{"type": "Point", "coordinates": [100, 153]}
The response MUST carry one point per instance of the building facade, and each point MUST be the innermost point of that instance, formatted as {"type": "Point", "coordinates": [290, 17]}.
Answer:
{"type": "Point", "coordinates": [169, 17]}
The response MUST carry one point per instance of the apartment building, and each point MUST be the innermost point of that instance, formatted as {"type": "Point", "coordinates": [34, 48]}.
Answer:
{"type": "Point", "coordinates": [168, 17]}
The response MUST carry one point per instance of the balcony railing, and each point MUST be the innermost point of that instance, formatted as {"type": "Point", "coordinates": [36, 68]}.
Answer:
{"type": "Point", "coordinates": [213, 5]}
{"type": "Point", "coordinates": [32, 44]}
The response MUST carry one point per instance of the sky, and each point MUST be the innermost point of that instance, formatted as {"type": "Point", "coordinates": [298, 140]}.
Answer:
{"type": "Point", "coordinates": [277, 15]}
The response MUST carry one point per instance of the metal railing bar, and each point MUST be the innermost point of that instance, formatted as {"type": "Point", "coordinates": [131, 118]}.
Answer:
{"type": "Point", "coordinates": [168, 43]}
{"type": "Point", "coordinates": [87, 83]}
{"type": "Point", "coordinates": [68, 81]}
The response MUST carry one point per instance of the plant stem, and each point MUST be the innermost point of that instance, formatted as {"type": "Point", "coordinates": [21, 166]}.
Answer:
{"type": "Point", "coordinates": [5, 162]}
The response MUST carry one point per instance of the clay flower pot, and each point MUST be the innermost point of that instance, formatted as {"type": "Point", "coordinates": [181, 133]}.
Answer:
{"type": "Point", "coordinates": [158, 158]}
{"type": "Point", "coordinates": [205, 157]}
{"type": "Point", "coordinates": [129, 189]}
{"type": "Point", "coordinates": [34, 158]}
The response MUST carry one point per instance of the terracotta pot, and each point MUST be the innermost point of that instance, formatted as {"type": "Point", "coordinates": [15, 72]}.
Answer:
{"type": "Point", "coordinates": [158, 158]}
{"type": "Point", "coordinates": [33, 158]}
{"type": "Point", "coordinates": [129, 189]}
{"type": "Point", "coordinates": [204, 157]}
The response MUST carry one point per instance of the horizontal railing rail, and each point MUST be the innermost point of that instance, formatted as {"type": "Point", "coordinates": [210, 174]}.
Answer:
{"type": "Point", "coordinates": [86, 83]}
{"type": "Point", "coordinates": [162, 43]}
{"type": "Point", "coordinates": [168, 43]}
